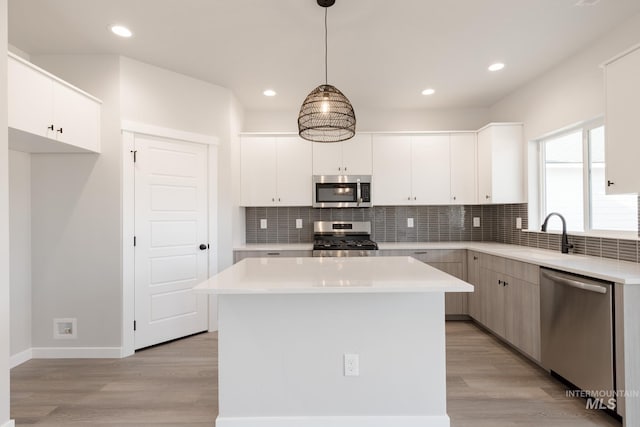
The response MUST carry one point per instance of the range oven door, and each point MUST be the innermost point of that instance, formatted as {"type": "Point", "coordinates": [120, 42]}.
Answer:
{"type": "Point", "coordinates": [341, 191]}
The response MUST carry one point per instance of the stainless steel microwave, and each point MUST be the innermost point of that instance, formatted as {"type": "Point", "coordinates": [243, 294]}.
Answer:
{"type": "Point", "coordinates": [342, 191]}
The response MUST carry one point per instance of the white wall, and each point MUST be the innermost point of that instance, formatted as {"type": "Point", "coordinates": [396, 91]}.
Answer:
{"type": "Point", "coordinates": [4, 224]}
{"type": "Point", "coordinates": [378, 120]}
{"type": "Point", "coordinates": [20, 249]}
{"type": "Point", "coordinates": [569, 93]}
{"type": "Point", "coordinates": [160, 97]}
{"type": "Point", "coordinates": [76, 210]}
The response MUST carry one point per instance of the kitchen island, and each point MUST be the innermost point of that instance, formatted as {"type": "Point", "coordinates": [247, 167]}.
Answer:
{"type": "Point", "coordinates": [332, 342]}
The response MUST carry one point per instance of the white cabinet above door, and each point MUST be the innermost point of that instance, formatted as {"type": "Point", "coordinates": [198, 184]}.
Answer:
{"type": "Point", "coordinates": [350, 157]}
{"type": "Point", "coordinates": [48, 115]}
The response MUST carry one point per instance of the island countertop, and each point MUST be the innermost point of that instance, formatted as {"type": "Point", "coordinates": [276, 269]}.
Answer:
{"type": "Point", "coordinates": [399, 274]}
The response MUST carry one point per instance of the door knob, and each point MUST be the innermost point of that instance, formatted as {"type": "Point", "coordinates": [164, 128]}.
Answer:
{"type": "Point", "coordinates": [203, 247]}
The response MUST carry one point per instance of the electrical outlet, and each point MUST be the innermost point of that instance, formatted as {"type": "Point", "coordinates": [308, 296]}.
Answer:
{"type": "Point", "coordinates": [263, 223]}
{"type": "Point", "coordinates": [351, 365]}
{"type": "Point", "coordinates": [299, 223]}
{"type": "Point", "coordinates": [519, 223]}
{"type": "Point", "coordinates": [476, 221]}
{"type": "Point", "coordinates": [409, 222]}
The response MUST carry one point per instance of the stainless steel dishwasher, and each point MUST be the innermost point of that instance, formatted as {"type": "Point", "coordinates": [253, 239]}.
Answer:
{"type": "Point", "coordinates": [576, 326]}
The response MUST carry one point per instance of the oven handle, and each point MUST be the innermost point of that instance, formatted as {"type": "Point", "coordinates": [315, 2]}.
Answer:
{"type": "Point", "coordinates": [575, 284]}
{"type": "Point", "coordinates": [358, 192]}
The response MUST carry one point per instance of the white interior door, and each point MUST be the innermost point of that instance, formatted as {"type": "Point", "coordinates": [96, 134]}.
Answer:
{"type": "Point", "coordinates": [170, 225]}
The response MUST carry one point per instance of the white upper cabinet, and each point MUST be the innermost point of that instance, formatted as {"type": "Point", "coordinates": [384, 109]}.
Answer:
{"type": "Point", "coordinates": [430, 177]}
{"type": "Point", "coordinates": [350, 157]}
{"type": "Point", "coordinates": [411, 170]}
{"type": "Point", "coordinates": [501, 163]}
{"type": "Point", "coordinates": [463, 153]}
{"type": "Point", "coordinates": [391, 178]}
{"type": "Point", "coordinates": [275, 171]}
{"type": "Point", "coordinates": [47, 115]}
{"type": "Point", "coordinates": [622, 110]}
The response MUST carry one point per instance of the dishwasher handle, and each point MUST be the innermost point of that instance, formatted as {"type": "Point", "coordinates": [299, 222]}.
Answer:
{"type": "Point", "coordinates": [576, 284]}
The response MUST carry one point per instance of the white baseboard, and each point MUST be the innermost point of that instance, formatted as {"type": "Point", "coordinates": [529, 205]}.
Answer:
{"type": "Point", "coordinates": [382, 421]}
{"type": "Point", "coordinates": [19, 358]}
{"type": "Point", "coordinates": [77, 352]}
{"type": "Point", "coordinates": [10, 423]}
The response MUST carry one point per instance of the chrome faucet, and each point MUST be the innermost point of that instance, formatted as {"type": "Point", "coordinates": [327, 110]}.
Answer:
{"type": "Point", "coordinates": [565, 240]}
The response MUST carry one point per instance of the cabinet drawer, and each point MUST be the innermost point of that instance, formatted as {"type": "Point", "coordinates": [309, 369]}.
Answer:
{"type": "Point", "coordinates": [240, 255]}
{"type": "Point", "coordinates": [428, 255]}
{"type": "Point", "coordinates": [523, 271]}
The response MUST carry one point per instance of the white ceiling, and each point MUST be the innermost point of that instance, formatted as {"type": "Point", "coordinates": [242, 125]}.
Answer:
{"type": "Point", "coordinates": [381, 53]}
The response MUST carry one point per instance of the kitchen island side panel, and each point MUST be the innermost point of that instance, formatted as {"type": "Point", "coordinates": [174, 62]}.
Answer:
{"type": "Point", "coordinates": [281, 356]}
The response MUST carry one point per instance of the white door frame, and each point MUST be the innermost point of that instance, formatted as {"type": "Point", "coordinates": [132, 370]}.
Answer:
{"type": "Point", "coordinates": [129, 132]}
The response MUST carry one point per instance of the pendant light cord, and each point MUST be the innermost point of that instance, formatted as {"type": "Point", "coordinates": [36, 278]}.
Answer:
{"type": "Point", "coordinates": [326, 79]}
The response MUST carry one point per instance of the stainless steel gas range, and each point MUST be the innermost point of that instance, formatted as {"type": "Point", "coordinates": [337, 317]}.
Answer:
{"type": "Point", "coordinates": [343, 239]}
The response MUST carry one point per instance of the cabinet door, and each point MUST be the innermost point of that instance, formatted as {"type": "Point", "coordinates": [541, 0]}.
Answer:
{"type": "Point", "coordinates": [622, 108]}
{"type": "Point", "coordinates": [494, 306]}
{"type": "Point", "coordinates": [76, 118]}
{"type": "Point", "coordinates": [327, 158]}
{"type": "Point", "coordinates": [430, 172]}
{"type": "Point", "coordinates": [454, 302]}
{"type": "Point", "coordinates": [484, 166]}
{"type": "Point", "coordinates": [473, 273]}
{"type": "Point", "coordinates": [522, 316]}
{"type": "Point", "coordinates": [391, 170]}
{"type": "Point", "coordinates": [356, 155]}
{"type": "Point", "coordinates": [258, 171]}
{"type": "Point", "coordinates": [294, 171]}
{"type": "Point", "coordinates": [30, 99]}
{"type": "Point", "coordinates": [507, 163]}
{"type": "Point", "coordinates": [463, 168]}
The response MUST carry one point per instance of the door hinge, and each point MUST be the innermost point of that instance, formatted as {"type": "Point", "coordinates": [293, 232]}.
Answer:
{"type": "Point", "coordinates": [134, 240]}
{"type": "Point", "coordinates": [134, 325]}
{"type": "Point", "coordinates": [135, 155]}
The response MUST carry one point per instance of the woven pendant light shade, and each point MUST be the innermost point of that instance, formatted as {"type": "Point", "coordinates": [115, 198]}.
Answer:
{"type": "Point", "coordinates": [326, 115]}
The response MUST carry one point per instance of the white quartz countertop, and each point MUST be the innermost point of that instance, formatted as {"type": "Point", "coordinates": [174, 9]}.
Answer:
{"type": "Point", "coordinates": [331, 275]}
{"type": "Point", "coordinates": [623, 272]}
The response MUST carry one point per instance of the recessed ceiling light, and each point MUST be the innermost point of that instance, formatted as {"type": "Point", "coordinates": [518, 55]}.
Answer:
{"type": "Point", "coordinates": [428, 92]}
{"type": "Point", "coordinates": [120, 30]}
{"type": "Point", "coordinates": [496, 67]}
{"type": "Point", "coordinates": [269, 92]}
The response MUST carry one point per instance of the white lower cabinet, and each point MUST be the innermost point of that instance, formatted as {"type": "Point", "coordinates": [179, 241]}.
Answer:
{"type": "Point", "coordinates": [275, 171]}
{"type": "Point", "coordinates": [48, 115]}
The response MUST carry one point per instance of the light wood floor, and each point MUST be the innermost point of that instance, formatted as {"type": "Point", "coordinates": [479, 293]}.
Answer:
{"type": "Point", "coordinates": [175, 385]}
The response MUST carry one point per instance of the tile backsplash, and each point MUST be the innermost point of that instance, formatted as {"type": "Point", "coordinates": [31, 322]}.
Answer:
{"type": "Point", "coordinates": [431, 224]}
{"type": "Point", "coordinates": [388, 223]}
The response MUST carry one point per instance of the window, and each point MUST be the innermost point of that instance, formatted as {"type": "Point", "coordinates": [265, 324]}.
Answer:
{"type": "Point", "coordinates": [573, 183]}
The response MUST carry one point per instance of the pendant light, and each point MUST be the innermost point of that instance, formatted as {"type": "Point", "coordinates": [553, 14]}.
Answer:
{"type": "Point", "coordinates": [326, 114]}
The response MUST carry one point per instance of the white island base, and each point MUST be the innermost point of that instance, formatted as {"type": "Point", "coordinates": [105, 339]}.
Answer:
{"type": "Point", "coordinates": [281, 349]}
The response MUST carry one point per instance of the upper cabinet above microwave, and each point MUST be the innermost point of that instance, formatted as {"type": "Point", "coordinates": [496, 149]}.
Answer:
{"type": "Point", "coordinates": [47, 114]}
{"type": "Point", "coordinates": [622, 110]}
{"type": "Point", "coordinates": [350, 157]}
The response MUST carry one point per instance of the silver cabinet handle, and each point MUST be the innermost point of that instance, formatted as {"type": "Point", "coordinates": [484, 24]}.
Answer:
{"type": "Point", "coordinates": [575, 284]}
{"type": "Point", "coordinates": [420, 253]}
